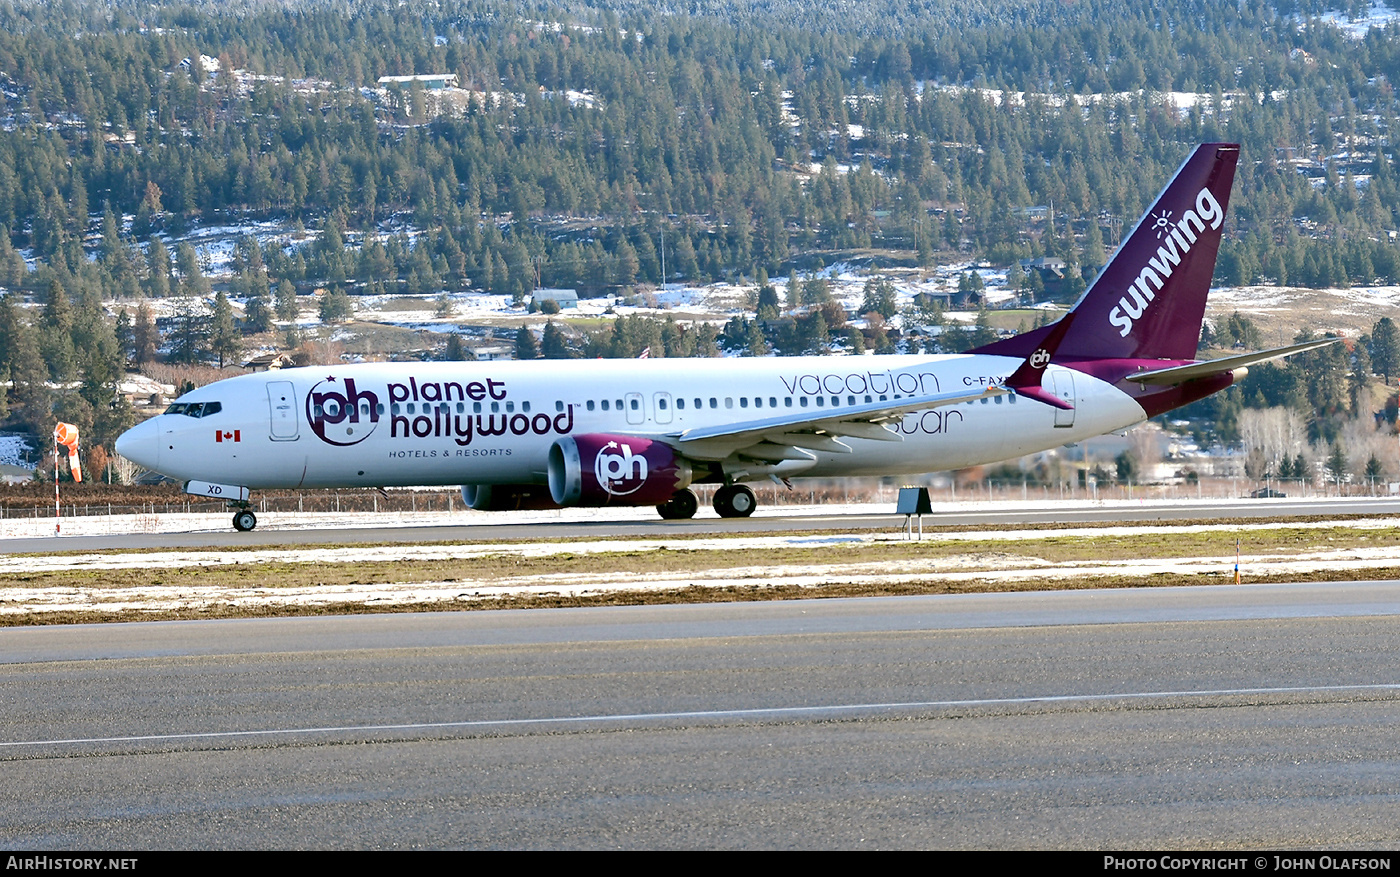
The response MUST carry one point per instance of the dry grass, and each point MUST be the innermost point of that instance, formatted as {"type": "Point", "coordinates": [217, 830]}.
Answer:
{"type": "Point", "coordinates": [692, 594]}
{"type": "Point", "coordinates": [1169, 543]}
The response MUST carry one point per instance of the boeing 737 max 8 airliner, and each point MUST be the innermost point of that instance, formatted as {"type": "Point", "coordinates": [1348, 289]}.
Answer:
{"type": "Point", "coordinates": [547, 434]}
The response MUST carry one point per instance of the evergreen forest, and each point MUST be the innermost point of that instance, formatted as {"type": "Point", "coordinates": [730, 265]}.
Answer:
{"type": "Point", "coordinates": [753, 138]}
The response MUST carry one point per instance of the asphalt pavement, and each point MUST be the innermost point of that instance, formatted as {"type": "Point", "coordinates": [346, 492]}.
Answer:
{"type": "Point", "coordinates": [1191, 717]}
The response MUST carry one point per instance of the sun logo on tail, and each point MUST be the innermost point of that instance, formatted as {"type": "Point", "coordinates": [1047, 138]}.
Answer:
{"type": "Point", "coordinates": [1162, 223]}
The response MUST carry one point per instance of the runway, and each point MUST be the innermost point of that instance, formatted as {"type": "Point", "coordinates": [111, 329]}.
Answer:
{"type": "Point", "coordinates": [1187, 717]}
{"type": "Point", "coordinates": [286, 529]}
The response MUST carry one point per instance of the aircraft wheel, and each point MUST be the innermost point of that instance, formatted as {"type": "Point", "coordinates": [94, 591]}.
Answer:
{"type": "Point", "coordinates": [244, 520]}
{"type": "Point", "coordinates": [683, 504]}
{"type": "Point", "coordinates": [735, 501]}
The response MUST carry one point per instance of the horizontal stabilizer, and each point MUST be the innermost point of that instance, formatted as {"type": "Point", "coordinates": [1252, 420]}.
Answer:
{"type": "Point", "coordinates": [1191, 371]}
{"type": "Point", "coordinates": [1040, 394]}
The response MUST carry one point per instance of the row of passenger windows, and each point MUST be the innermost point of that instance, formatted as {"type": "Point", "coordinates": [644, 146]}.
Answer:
{"type": "Point", "coordinates": [714, 402]}
{"type": "Point", "coordinates": [699, 403]}
{"type": "Point", "coordinates": [460, 407]}
{"type": "Point", "coordinates": [332, 408]}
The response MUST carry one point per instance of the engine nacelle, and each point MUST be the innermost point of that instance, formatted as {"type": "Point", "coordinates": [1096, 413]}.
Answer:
{"type": "Point", "coordinates": [507, 497]}
{"type": "Point", "coordinates": [614, 470]}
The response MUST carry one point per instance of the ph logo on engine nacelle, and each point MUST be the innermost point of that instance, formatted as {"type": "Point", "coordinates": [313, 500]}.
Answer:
{"type": "Point", "coordinates": [599, 469]}
{"type": "Point", "coordinates": [618, 470]}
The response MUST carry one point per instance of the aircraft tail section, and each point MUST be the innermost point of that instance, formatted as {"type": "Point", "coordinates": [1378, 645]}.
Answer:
{"type": "Point", "coordinates": [1149, 300]}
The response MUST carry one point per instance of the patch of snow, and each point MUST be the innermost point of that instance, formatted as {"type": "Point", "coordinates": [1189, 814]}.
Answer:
{"type": "Point", "coordinates": [1378, 16]}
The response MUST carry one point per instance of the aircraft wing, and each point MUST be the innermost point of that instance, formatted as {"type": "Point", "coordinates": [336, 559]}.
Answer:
{"type": "Point", "coordinates": [1180, 373]}
{"type": "Point", "coordinates": [788, 436]}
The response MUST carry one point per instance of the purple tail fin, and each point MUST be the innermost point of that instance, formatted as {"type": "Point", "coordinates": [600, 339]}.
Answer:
{"type": "Point", "coordinates": [1148, 301]}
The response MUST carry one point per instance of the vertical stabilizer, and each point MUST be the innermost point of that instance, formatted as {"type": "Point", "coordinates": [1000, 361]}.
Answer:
{"type": "Point", "coordinates": [1149, 300]}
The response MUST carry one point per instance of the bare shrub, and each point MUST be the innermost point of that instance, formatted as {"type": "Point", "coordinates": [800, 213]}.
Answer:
{"type": "Point", "coordinates": [199, 375]}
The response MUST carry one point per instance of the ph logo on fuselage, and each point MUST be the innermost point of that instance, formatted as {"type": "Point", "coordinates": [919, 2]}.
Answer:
{"type": "Point", "coordinates": [1177, 240]}
{"type": "Point", "coordinates": [340, 414]}
{"type": "Point", "coordinates": [618, 470]}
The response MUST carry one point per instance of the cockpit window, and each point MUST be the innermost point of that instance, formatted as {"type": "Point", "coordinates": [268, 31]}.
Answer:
{"type": "Point", "coordinates": [195, 409]}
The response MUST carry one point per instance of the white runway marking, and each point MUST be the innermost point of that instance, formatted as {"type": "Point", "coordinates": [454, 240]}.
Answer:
{"type": "Point", "coordinates": [700, 715]}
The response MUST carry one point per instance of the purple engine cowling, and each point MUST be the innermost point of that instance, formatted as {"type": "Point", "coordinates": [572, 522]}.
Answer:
{"type": "Point", "coordinates": [598, 469]}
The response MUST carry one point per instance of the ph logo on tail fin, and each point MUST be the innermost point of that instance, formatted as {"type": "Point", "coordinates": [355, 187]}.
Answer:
{"type": "Point", "coordinates": [1027, 380]}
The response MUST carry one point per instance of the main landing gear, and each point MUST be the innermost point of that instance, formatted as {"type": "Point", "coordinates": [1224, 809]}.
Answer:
{"type": "Point", "coordinates": [682, 504]}
{"type": "Point", "coordinates": [735, 501]}
{"type": "Point", "coordinates": [731, 501]}
{"type": "Point", "coordinates": [244, 520]}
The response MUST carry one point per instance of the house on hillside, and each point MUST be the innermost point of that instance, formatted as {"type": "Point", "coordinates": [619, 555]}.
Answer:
{"type": "Point", "coordinates": [1051, 268]}
{"type": "Point", "coordinates": [269, 362]}
{"type": "Point", "coordinates": [493, 352]}
{"type": "Point", "coordinates": [429, 81]}
{"type": "Point", "coordinates": [565, 298]}
{"type": "Point", "coordinates": [142, 392]}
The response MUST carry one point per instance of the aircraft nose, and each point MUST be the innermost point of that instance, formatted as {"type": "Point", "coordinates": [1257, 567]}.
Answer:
{"type": "Point", "coordinates": [141, 444]}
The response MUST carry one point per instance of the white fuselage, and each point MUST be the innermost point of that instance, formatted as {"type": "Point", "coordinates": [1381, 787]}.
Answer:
{"type": "Point", "coordinates": [494, 422]}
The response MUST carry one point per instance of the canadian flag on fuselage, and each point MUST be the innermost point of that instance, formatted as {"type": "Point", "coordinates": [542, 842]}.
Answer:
{"type": "Point", "coordinates": [1149, 300]}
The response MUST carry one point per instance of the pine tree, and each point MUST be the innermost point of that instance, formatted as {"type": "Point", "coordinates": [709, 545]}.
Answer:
{"type": "Point", "coordinates": [1337, 463]}
{"type": "Point", "coordinates": [287, 307]}
{"type": "Point", "coordinates": [190, 327]}
{"type": "Point", "coordinates": [794, 291]}
{"type": "Point", "coordinates": [193, 283]}
{"type": "Point", "coordinates": [1374, 470]}
{"type": "Point", "coordinates": [1385, 348]}
{"type": "Point", "coordinates": [124, 334]}
{"type": "Point", "coordinates": [29, 398]}
{"type": "Point", "coordinates": [553, 344]}
{"type": "Point", "coordinates": [223, 334]}
{"type": "Point", "coordinates": [879, 298]}
{"type": "Point", "coordinates": [755, 344]}
{"type": "Point", "coordinates": [257, 315]}
{"type": "Point", "coordinates": [766, 304]}
{"type": "Point", "coordinates": [158, 270]}
{"type": "Point", "coordinates": [56, 334]}
{"type": "Point", "coordinates": [145, 337]}
{"type": "Point", "coordinates": [336, 307]}
{"type": "Point", "coordinates": [525, 346]}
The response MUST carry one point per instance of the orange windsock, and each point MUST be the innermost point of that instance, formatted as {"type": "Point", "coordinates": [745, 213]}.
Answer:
{"type": "Point", "coordinates": [66, 434]}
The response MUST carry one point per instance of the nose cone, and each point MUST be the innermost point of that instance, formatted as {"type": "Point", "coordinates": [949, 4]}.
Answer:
{"type": "Point", "coordinates": [141, 444]}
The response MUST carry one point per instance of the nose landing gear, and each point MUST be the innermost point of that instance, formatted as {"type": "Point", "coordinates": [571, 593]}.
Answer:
{"type": "Point", "coordinates": [244, 520]}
